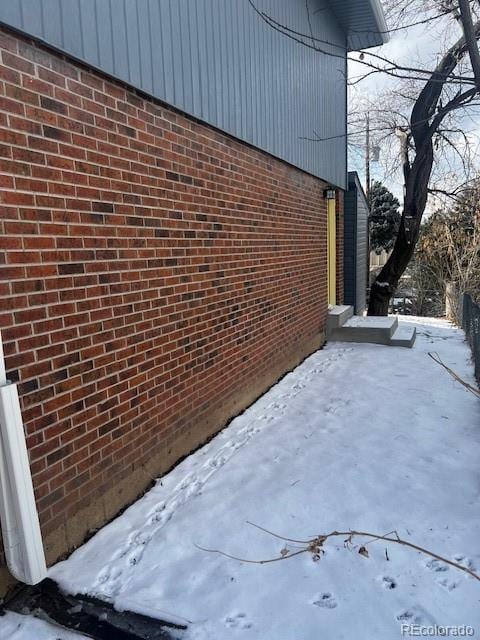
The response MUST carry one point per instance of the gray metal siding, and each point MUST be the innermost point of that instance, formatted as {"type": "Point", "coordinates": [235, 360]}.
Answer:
{"type": "Point", "coordinates": [349, 247]}
{"type": "Point", "coordinates": [355, 253]}
{"type": "Point", "coordinates": [362, 252]}
{"type": "Point", "coordinates": [216, 60]}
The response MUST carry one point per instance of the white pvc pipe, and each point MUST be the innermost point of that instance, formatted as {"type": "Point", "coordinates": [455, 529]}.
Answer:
{"type": "Point", "coordinates": [22, 538]}
{"type": "Point", "coordinates": [3, 375]}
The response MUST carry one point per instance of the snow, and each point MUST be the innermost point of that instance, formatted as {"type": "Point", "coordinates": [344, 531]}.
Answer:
{"type": "Point", "coordinates": [359, 436]}
{"type": "Point", "coordinates": [338, 309]}
{"type": "Point", "coordinates": [373, 322]}
{"type": "Point", "coordinates": [403, 332]}
{"type": "Point", "coordinates": [16, 627]}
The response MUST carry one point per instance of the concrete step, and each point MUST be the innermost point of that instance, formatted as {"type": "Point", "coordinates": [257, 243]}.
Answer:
{"type": "Point", "coordinates": [337, 316]}
{"type": "Point", "coordinates": [404, 336]}
{"type": "Point", "coordinates": [375, 329]}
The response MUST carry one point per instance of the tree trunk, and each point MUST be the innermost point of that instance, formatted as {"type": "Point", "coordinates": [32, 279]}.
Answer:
{"type": "Point", "coordinates": [417, 176]}
{"type": "Point", "coordinates": [452, 300]}
{"type": "Point", "coordinates": [386, 283]}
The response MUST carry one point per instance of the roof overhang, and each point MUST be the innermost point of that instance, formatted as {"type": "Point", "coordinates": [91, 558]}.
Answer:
{"type": "Point", "coordinates": [363, 21]}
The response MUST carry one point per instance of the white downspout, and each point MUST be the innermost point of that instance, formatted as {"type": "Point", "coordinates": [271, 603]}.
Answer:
{"type": "Point", "coordinates": [22, 538]}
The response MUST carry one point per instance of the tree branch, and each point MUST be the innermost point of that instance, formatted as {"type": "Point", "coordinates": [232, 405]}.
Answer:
{"type": "Point", "coordinates": [470, 37]}
{"type": "Point", "coordinates": [315, 545]}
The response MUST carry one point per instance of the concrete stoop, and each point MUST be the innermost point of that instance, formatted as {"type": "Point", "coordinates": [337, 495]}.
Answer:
{"type": "Point", "coordinates": [343, 326]}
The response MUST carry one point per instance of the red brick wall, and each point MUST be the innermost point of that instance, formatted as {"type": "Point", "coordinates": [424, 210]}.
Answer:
{"type": "Point", "coordinates": [152, 268]}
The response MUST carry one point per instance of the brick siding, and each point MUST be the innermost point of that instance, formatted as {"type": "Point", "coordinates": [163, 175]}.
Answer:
{"type": "Point", "coordinates": [156, 276]}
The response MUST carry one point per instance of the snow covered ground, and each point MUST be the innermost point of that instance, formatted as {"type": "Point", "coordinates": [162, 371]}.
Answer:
{"type": "Point", "coordinates": [358, 437]}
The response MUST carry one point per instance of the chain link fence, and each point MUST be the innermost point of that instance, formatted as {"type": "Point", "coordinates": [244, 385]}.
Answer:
{"type": "Point", "coordinates": [471, 326]}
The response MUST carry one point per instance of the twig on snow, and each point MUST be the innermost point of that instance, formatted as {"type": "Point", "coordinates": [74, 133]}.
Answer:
{"type": "Point", "coordinates": [228, 555]}
{"type": "Point", "coordinates": [467, 386]}
{"type": "Point", "coordinates": [315, 545]}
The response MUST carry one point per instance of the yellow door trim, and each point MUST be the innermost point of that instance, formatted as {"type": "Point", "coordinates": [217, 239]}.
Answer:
{"type": "Point", "coordinates": [332, 251]}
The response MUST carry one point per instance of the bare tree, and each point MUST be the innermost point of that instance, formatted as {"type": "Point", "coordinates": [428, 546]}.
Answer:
{"type": "Point", "coordinates": [437, 100]}
{"type": "Point", "coordinates": [433, 105]}
{"type": "Point", "coordinates": [448, 250]}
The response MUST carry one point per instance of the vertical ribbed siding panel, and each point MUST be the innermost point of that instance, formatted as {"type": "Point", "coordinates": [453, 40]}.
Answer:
{"type": "Point", "coordinates": [186, 55]}
{"type": "Point", "coordinates": [217, 86]}
{"type": "Point", "coordinates": [355, 245]}
{"type": "Point", "coordinates": [195, 53]}
{"type": "Point", "coordinates": [253, 89]}
{"type": "Point", "coordinates": [156, 56]}
{"type": "Point", "coordinates": [31, 16]}
{"type": "Point", "coordinates": [146, 46]}
{"type": "Point", "coordinates": [216, 60]}
{"type": "Point", "coordinates": [349, 244]}
{"type": "Point", "coordinates": [104, 34]}
{"type": "Point", "coordinates": [165, 25]}
{"type": "Point", "coordinates": [120, 43]}
{"type": "Point", "coordinates": [262, 37]}
{"type": "Point", "coordinates": [362, 250]}
{"type": "Point", "coordinates": [175, 43]}
{"type": "Point", "coordinates": [89, 30]}
{"type": "Point", "coordinates": [293, 112]}
{"type": "Point", "coordinates": [133, 42]}
{"type": "Point", "coordinates": [206, 49]}
{"type": "Point", "coordinates": [51, 22]}
{"type": "Point", "coordinates": [227, 102]}
{"type": "Point", "coordinates": [244, 69]}
{"type": "Point", "coordinates": [11, 13]}
{"type": "Point", "coordinates": [71, 28]}
{"type": "Point", "coordinates": [236, 79]}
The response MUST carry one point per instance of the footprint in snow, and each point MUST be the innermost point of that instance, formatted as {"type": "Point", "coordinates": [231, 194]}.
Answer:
{"type": "Point", "coordinates": [409, 616]}
{"type": "Point", "coordinates": [436, 565]}
{"type": "Point", "coordinates": [158, 513]}
{"type": "Point", "coordinates": [388, 583]}
{"type": "Point", "coordinates": [187, 481]}
{"type": "Point", "coordinates": [325, 601]}
{"type": "Point", "coordinates": [135, 556]}
{"type": "Point", "coordinates": [109, 581]}
{"type": "Point", "coordinates": [464, 561]}
{"type": "Point", "coordinates": [103, 577]}
{"type": "Point", "coordinates": [158, 508]}
{"type": "Point", "coordinates": [330, 408]}
{"type": "Point", "coordinates": [415, 615]}
{"type": "Point", "coordinates": [450, 585]}
{"type": "Point", "coordinates": [335, 405]}
{"type": "Point", "coordinates": [266, 418]}
{"type": "Point", "coordinates": [317, 370]}
{"type": "Point", "coordinates": [298, 386]}
{"type": "Point", "coordinates": [238, 621]}
{"type": "Point", "coordinates": [218, 461]}
{"type": "Point", "coordinates": [279, 406]}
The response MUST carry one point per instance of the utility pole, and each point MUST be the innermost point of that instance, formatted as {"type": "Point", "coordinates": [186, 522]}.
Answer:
{"type": "Point", "coordinates": [367, 159]}
{"type": "Point", "coordinates": [367, 193]}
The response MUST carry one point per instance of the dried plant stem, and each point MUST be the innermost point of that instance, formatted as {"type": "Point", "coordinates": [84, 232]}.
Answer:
{"type": "Point", "coordinates": [469, 387]}
{"type": "Point", "coordinates": [315, 547]}
{"type": "Point", "coordinates": [405, 543]}
{"type": "Point", "coordinates": [227, 555]}
{"type": "Point", "coordinates": [257, 526]}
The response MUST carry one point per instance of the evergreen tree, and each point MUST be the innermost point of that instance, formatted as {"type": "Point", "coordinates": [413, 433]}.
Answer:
{"type": "Point", "coordinates": [384, 218]}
